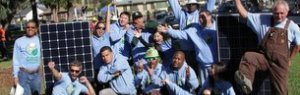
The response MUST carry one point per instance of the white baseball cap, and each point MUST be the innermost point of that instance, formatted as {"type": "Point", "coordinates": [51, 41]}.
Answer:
{"type": "Point", "coordinates": [192, 2]}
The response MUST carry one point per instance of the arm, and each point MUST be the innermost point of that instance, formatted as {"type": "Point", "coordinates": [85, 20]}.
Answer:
{"type": "Point", "coordinates": [296, 48]}
{"type": "Point", "coordinates": [141, 79]}
{"type": "Point", "coordinates": [104, 76]}
{"type": "Point", "coordinates": [192, 81]}
{"type": "Point", "coordinates": [294, 51]}
{"type": "Point", "coordinates": [138, 36]}
{"type": "Point", "coordinates": [176, 89]}
{"type": "Point", "coordinates": [176, 8]}
{"type": "Point", "coordinates": [90, 88]}
{"type": "Point", "coordinates": [16, 58]}
{"type": "Point", "coordinates": [177, 34]}
{"type": "Point", "coordinates": [107, 20]}
{"type": "Point", "coordinates": [16, 63]}
{"type": "Point", "coordinates": [55, 73]}
{"type": "Point", "coordinates": [158, 81]}
{"type": "Point", "coordinates": [242, 11]}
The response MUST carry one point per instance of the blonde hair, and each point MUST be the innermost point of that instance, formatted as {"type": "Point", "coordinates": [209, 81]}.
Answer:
{"type": "Point", "coordinates": [281, 2]}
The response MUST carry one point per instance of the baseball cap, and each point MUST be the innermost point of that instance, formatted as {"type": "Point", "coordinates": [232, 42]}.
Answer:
{"type": "Point", "coordinates": [136, 15]}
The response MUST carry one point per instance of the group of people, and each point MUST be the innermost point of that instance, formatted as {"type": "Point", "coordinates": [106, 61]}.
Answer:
{"type": "Point", "coordinates": [166, 61]}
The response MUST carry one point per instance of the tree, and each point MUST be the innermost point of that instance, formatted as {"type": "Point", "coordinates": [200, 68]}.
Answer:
{"type": "Point", "coordinates": [55, 5]}
{"type": "Point", "coordinates": [9, 8]}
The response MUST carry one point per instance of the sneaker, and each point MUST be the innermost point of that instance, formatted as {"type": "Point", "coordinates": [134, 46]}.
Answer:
{"type": "Point", "coordinates": [244, 82]}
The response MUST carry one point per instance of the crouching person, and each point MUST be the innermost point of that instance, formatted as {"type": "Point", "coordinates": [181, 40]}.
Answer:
{"type": "Point", "coordinates": [69, 83]}
{"type": "Point", "coordinates": [117, 72]}
{"type": "Point", "coordinates": [179, 78]}
{"type": "Point", "coordinates": [149, 72]}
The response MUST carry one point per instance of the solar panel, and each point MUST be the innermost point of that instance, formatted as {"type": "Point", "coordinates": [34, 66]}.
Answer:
{"type": "Point", "coordinates": [234, 39]}
{"type": "Point", "coordinates": [64, 43]}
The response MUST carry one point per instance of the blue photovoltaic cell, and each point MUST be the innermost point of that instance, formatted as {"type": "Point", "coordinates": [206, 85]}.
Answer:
{"type": "Point", "coordinates": [64, 43]}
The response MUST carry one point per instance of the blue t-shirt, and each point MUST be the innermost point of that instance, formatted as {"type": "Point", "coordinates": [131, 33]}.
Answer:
{"type": "Point", "coordinates": [65, 86]}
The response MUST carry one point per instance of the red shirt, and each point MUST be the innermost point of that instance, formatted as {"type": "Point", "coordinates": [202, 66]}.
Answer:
{"type": "Point", "coordinates": [2, 34]}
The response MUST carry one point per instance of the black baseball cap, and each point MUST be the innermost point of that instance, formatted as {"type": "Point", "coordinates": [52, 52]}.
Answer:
{"type": "Point", "coordinates": [136, 15]}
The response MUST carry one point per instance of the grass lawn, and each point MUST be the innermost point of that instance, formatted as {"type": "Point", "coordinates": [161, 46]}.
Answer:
{"type": "Point", "coordinates": [5, 64]}
{"type": "Point", "coordinates": [294, 77]}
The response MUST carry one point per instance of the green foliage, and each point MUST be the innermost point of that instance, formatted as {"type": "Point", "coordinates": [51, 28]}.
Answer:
{"type": "Point", "coordinates": [9, 8]}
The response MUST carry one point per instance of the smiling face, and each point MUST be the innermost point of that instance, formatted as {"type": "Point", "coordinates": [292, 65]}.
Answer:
{"type": "Point", "coordinates": [99, 29]}
{"type": "Point", "coordinates": [178, 59]}
{"type": "Point", "coordinates": [31, 29]}
{"type": "Point", "coordinates": [124, 20]}
{"type": "Point", "coordinates": [158, 38]}
{"type": "Point", "coordinates": [75, 72]}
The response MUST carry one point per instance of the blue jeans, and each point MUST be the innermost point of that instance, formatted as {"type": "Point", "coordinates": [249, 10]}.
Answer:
{"type": "Point", "coordinates": [30, 82]}
{"type": "Point", "coordinates": [210, 5]}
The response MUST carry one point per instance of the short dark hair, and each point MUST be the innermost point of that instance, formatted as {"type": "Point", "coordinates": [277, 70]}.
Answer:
{"type": "Point", "coordinates": [31, 21]}
{"type": "Point", "coordinates": [125, 13]}
{"type": "Point", "coordinates": [179, 52]}
{"type": "Point", "coordinates": [105, 48]}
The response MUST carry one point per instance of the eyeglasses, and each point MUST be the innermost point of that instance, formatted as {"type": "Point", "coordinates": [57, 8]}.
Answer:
{"type": "Point", "coordinates": [151, 58]}
{"type": "Point", "coordinates": [31, 27]}
{"type": "Point", "coordinates": [76, 71]}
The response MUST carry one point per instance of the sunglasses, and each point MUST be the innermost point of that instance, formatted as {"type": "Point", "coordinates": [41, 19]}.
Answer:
{"type": "Point", "coordinates": [100, 28]}
{"type": "Point", "coordinates": [76, 71]}
{"type": "Point", "coordinates": [30, 27]}
{"type": "Point", "coordinates": [151, 58]}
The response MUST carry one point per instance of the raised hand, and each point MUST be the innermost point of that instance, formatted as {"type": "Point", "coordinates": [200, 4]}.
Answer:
{"type": "Point", "coordinates": [140, 66]}
{"type": "Point", "coordinates": [138, 33]}
{"type": "Point", "coordinates": [117, 73]}
{"type": "Point", "coordinates": [83, 79]}
{"type": "Point", "coordinates": [150, 70]}
{"type": "Point", "coordinates": [51, 65]}
{"type": "Point", "coordinates": [166, 81]}
{"type": "Point", "coordinates": [127, 27]}
{"type": "Point", "coordinates": [187, 72]}
{"type": "Point", "coordinates": [161, 28]}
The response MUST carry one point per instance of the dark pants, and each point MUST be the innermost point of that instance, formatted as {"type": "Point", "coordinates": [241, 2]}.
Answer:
{"type": "Point", "coordinates": [253, 62]}
{"type": "Point", "coordinates": [3, 49]}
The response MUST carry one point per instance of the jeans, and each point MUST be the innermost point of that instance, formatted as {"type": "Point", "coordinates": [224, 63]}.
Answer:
{"type": "Point", "coordinates": [30, 82]}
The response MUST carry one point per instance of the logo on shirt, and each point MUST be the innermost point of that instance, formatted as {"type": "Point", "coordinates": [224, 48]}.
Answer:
{"type": "Point", "coordinates": [33, 53]}
{"type": "Point", "coordinates": [32, 49]}
{"type": "Point", "coordinates": [70, 89]}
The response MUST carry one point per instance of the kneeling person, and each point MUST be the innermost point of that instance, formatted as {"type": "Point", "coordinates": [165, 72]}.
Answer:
{"type": "Point", "coordinates": [117, 72]}
{"type": "Point", "coordinates": [70, 83]}
{"type": "Point", "coordinates": [179, 78]}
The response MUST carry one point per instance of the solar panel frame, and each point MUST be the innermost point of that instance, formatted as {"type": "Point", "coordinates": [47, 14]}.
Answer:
{"type": "Point", "coordinates": [63, 43]}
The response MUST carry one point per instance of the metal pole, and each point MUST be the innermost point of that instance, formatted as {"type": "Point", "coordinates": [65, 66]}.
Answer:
{"type": "Point", "coordinates": [34, 11]}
